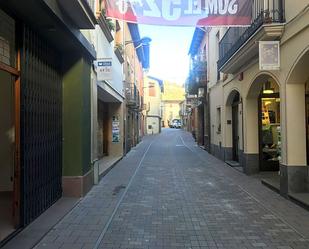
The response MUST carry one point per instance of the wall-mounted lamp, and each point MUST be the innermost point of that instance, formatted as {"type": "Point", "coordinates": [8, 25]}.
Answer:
{"type": "Point", "coordinates": [267, 88]}
{"type": "Point", "coordinates": [141, 42]}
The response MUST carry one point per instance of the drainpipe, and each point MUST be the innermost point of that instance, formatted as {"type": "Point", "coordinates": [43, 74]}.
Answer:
{"type": "Point", "coordinates": [242, 126]}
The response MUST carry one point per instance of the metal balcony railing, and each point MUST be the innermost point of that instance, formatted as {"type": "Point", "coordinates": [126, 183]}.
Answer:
{"type": "Point", "coordinates": [199, 66]}
{"type": "Point", "coordinates": [263, 12]}
{"type": "Point", "coordinates": [132, 95]}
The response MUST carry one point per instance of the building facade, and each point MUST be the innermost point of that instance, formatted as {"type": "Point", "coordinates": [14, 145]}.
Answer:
{"type": "Point", "coordinates": [63, 122]}
{"type": "Point", "coordinates": [153, 105]}
{"type": "Point", "coordinates": [172, 96]}
{"type": "Point", "coordinates": [197, 91]}
{"type": "Point", "coordinates": [258, 117]}
{"type": "Point", "coordinates": [45, 67]}
{"type": "Point", "coordinates": [133, 80]}
{"type": "Point", "coordinates": [107, 94]}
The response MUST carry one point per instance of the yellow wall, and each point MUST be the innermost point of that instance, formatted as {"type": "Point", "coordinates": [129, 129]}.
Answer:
{"type": "Point", "coordinates": [153, 106]}
{"type": "Point", "coordinates": [173, 95]}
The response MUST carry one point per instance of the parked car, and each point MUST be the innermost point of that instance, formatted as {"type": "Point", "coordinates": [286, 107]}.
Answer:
{"type": "Point", "coordinates": [175, 124]}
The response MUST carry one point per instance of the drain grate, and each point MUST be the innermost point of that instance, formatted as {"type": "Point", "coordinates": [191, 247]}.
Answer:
{"type": "Point", "coordinates": [118, 188]}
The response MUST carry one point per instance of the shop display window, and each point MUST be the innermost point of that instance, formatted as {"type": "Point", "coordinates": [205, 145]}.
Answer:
{"type": "Point", "coordinates": [271, 129]}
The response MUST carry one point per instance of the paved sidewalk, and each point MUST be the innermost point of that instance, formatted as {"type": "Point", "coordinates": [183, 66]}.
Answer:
{"type": "Point", "coordinates": [82, 227]}
{"type": "Point", "coordinates": [181, 198]}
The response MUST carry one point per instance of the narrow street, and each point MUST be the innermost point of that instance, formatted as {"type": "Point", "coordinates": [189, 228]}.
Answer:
{"type": "Point", "coordinates": [169, 193]}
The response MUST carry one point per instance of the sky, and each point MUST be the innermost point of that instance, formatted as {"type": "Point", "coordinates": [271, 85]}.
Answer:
{"type": "Point", "coordinates": [169, 49]}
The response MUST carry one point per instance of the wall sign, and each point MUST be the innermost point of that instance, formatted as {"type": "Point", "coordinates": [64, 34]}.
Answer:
{"type": "Point", "coordinates": [269, 55]}
{"type": "Point", "coordinates": [103, 68]}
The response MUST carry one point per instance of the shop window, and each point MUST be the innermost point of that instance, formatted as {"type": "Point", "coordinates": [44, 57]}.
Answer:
{"type": "Point", "coordinates": [270, 129]}
{"type": "Point", "coordinates": [152, 90]}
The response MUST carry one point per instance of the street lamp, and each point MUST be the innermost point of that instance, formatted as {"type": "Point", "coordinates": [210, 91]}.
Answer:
{"type": "Point", "coordinates": [143, 41]}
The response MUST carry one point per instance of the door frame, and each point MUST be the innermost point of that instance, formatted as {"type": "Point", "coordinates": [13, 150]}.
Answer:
{"type": "Point", "coordinates": [307, 125]}
{"type": "Point", "coordinates": [272, 166]}
{"type": "Point", "coordinates": [235, 131]}
{"type": "Point", "coordinates": [15, 72]}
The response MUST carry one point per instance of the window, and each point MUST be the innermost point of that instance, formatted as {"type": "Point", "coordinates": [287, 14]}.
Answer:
{"type": "Point", "coordinates": [7, 39]}
{"type": "Point", "coordinates": [152, 89]}
{"type": "Point", "coordinates": [204, 53]}
{"type": "Point", "coordinates": [128, 69]}
{"type": "Point", "coordinates": [217, 53]}
{"type": "Point", "coordinates": [219, 120]}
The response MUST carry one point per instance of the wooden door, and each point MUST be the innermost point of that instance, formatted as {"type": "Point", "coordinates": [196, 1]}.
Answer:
{"type": "Point", "coordinates": [10, 85]}
{"type": "Point", "coordinates": [307, 126]}
{"type": "Point", "coordinates": [235, 133]}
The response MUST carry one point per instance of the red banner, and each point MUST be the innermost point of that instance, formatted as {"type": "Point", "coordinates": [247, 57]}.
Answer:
{"type": "Point", "coordinates": [182, 12]}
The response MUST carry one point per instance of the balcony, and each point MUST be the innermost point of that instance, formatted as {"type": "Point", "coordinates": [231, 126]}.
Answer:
{"type": "Point", "coordinates": [239, 45]}
{"type": "Point", "coordinates": [105, 26]}
{"type": "Point", "coordinates": [132, 96]}
{"type": "Point", "coordinates": [81, 12]}
{"type": "Point", "coordinates": [198, 76]}
{"type": "Point", "coordinates": [119, 55]}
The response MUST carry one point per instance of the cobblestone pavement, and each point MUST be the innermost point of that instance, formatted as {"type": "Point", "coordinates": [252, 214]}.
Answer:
{"type": "Point", "coordinates": [168, 193]}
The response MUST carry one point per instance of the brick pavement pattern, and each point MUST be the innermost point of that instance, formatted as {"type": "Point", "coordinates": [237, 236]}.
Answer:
{"type": "Point", "coordinates": [180, 198]}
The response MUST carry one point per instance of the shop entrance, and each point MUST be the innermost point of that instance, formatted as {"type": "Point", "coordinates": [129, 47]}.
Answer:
{"type": "Point", "coordinates": [269, 127]}
{"type": "Point", "coordinates": [201, 125]}
{"type": "Point", "coordinates": [7, 155]}
{"type": "Point", "coordinates": [235, 128]}
{"type": "Point", "coordinates": [103, 129]}
{"type": "Point", "coordinates": [307, 122]}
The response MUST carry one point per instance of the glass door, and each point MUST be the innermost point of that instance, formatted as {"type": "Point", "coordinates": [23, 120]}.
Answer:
{"type": "Point", "coordinates": [270, 132]}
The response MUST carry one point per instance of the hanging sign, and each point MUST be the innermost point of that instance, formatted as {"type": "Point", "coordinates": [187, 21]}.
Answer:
{"type": "Point", "coordinates": [104, 69]}
{"type": "Point", "coordinates": [182, 12]}
{"type": "Point", "coordinates": [269, 55]}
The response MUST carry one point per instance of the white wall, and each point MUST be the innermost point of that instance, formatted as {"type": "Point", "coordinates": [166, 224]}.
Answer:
{"type": "Point", "coordinates": [105, 49]}
{"type": "Point", "coordinates": [153, 104]}
{"type": "Point", "coordinates": [154, 122]}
